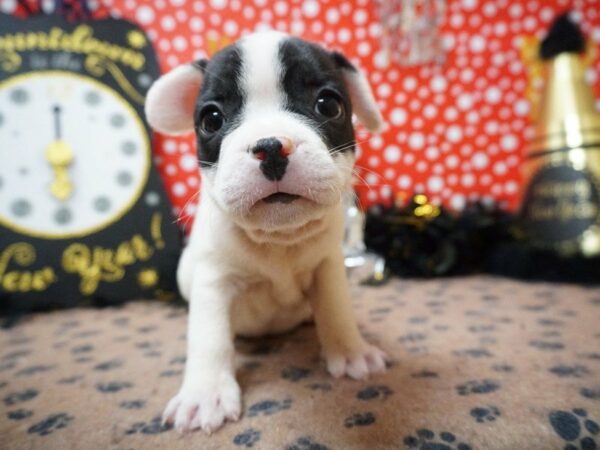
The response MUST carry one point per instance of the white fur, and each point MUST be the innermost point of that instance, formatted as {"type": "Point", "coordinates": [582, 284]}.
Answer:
{"type": "Point", "coordinates": [253, 268]}
{"type": "Point", "coordinates": [363, 102]}
{"type": "Point", "coordinates": [171, 100]}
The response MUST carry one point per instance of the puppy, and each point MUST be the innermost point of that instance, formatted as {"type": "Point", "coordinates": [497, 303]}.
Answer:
{"type": "Point", "coordinates": [272, 116]}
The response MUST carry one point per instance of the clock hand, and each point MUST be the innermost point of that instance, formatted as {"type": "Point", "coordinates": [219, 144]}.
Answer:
{"type": "Point", "coordinates": [60, 156]}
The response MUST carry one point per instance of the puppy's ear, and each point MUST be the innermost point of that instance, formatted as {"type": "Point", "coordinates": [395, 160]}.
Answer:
{"type": "Point", "coordinates": [171, 100]}
{"type": "Point", "coordinates": [361, 95]}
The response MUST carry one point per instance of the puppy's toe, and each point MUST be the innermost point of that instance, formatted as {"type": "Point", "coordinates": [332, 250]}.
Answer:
{"type": "Point", "coordinates": [358, 364]}
{"type": "Point", "coordinates": [205, 407]}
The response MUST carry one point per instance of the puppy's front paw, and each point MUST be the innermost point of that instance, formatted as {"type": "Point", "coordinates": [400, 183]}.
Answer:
{"type": "Point", "coordinates": [206, 406]}
{"type": "Point", "coordinates": [358, 364]}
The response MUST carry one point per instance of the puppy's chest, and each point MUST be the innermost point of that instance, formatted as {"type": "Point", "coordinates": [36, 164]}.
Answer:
{"type": "Point", "coordinates": [272, 304]}
{"type": "Point", "coordinates": [283, 288]}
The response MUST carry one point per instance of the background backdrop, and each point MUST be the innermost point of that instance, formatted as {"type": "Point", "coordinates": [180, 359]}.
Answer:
{"type": "Point", "coordinates": [456, 131]}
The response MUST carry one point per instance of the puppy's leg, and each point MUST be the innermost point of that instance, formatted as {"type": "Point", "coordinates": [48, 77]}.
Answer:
{"type": "Point", "coordinates": [344, 349]}
{"type": "Point", "coordinates": [209, 394]}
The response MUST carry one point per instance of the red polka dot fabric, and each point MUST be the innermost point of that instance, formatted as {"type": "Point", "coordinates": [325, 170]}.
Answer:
{"type": "Point", "coordinates": [456, 131]}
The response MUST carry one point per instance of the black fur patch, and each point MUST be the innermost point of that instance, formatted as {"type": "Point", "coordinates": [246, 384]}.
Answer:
{"type": "Point", "coordinates": [221, 86]}
{"type": "Point", "coordinates": [307, 69]}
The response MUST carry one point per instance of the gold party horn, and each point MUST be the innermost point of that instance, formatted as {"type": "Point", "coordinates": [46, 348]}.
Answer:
{"type": "Point", "coordinates": [561, 205]}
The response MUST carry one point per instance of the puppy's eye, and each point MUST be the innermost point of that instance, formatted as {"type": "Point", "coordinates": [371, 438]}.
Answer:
{"type": "Point", "coordinates": [211, 120]}
{"type": "Point", "coordinates": [329, 105]}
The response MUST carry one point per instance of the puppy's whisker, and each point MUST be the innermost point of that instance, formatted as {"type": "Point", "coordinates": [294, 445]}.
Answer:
{"type": "Point", "coordinates": [182, 213]}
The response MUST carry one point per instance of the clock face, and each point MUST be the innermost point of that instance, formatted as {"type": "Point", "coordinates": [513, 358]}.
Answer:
{"type": "Point", "coordinates": [74, 155]}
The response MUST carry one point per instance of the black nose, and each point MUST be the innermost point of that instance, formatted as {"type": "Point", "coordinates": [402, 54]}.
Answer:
{"type": "Point", "coordinates": [273, 157]}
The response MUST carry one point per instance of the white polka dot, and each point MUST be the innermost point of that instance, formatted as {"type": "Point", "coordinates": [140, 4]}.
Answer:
{"type": "Point", "coordinates": [464, 101]}
{"type": "Point", "coordinates": [438, 83]}
{"type": "Point", "coordinates": [144, 15]}
{"type": "Point", "coordinates": [218, 4]}
{"type": "Point", "coordinates": [430, 111]}
{"type": "Point", "coordinates": [363, 49]}
{"type": "Point", "coordinates": [416, 140]}
{"type": "Point", "coordinates": [410, 83]}
{"type": "Point", "coordinates": [479, 160]}
{"type": "Point", "coordinates": [376, 142]}
{"type": "Point", "coordinates": [188, 163]}
{"type": "Point", "coordinates": [493, 95]}
{"type": "Point", "coordinates": [404, 181]}
{"type": "Point", "coordinates": [511, 187]}
{"type": "Point", "coordinates": [197, 24]}
{"type": "Point", "coordinates": [452, 161]}
{"type": "Point", "coordinates": [310, 8]}
{"type": "Point", "coordinates": [454, 133]}
{"type": "Point", "coordinates": [360, 17]}
{"type": "Point", "coordinates": [344, 35]}
{"type": "Point", "coordinates": [179, 189]}
{"type": "Point", "coordinates": [332, 16]}
{"type": "Point", "coordinates": [458, 202]}
{"type": "Point", "coordinates": [477, 44]}
{"type": "Point", "coordinates": [168, 23]}
{"type": "Point", "coordinates": [381, 59]}
{"type": "Point", "coordinates": [398, 116]}
{"type": "Point", "coordinates": [8, 6]}
{"type": "Point", "coordinates": [170, 146]}
{"type": "Point", "coordinates": [179, 43]}
{"type": "Point", "coordinates": [500, 168]}
{"type": "Point", "coordinates": [435, 184]}
{"type": "Point", "coordinates": [508, 142]}
{"type": "Point", "coordinates": [521, 107]}
{"type": "Point", "coordinates": [392, 154]}
{"type": "Point", "coordinates": [450, 114]}
{"type": "Point", "coordinates": [469, 4]}
{"type": "Point", "coordinates": [281, 8]}
{"type": "Point", "coordinates": [230, 28]}
{"type": "Point", "coordinates": [468, 180]}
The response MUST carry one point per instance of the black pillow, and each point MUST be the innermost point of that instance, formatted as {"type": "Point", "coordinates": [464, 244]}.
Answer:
{"type": "Point", "coordinates": [83, 214]}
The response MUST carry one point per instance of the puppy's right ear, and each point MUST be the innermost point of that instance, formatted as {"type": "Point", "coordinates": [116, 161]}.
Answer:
{"type": "Point", "coordinates": [171, 100]}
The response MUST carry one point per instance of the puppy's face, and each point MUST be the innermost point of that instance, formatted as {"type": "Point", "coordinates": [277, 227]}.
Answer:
{"type": "Point", "coordinates": [273, 120]}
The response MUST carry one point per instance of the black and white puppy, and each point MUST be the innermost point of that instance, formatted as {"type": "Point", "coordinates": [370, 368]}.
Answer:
{"type": "Point", "coordinates": [272, 115]}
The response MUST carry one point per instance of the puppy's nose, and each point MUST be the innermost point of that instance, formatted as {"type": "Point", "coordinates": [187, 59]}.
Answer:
{"type": "Point", "coordinates": [273, 152]}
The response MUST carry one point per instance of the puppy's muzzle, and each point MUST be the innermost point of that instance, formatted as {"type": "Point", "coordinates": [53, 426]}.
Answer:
{"type": "Point", "coordinates": [273, 153]}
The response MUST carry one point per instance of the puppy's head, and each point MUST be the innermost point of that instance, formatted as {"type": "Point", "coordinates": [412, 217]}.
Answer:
{"type": "Point", "coordinates": [273, 120]}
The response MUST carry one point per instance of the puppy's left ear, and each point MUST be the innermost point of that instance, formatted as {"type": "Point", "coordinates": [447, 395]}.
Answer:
{"type": "Point", "coordinates": [361, 95]}
{"type": "Point", "coordinates": [171, 100]}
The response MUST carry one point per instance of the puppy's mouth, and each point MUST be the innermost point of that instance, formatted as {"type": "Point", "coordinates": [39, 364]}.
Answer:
{"type": "Point", "coordinates": [281, 197]}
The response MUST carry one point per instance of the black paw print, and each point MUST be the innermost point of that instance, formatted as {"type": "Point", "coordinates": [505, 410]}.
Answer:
{"type": "Point", "coordinates": [50, 424]}
{"type": "Point", "coordinates": [563, 371]}
{"type": "Point", "coordinates": [572, 426]}
{"type": "Point", "coordinates": [586, 392]}
{"type": "Point", "coordinates": [477, 387]}
{"type": "Point", "coordinates": [109, 365]}
{"type": "Point", "coordinates": [154, 426]}
{"type": "Point", "coordinates": [359, 420]}
{"type": "Point", "coordinates": [306, 443]}
{"type": "Point", "coordinates": [132, 404]}
{"type": "Point", "coordinates": [113, 386]}
{"type": "Point", "coordinates": [372, 392]}
{"type": "Point", "coordinates": [268, 407]}
{"type": "Point", "coordinates": [18, 397]}
{"type": "Point", "coordinates": [293, 373]}
{"type": "Point", "coordinates": [19, 414]}
{"type": "Point", "coordinates": [547, 345]}
{"type": "Point", "coordinates": [33, 370]}
{"type": "Point", "coordinates": [427, 440]}
{"type": "Point", "coordinates": [473, 353]}
{"type": "Point", "coordinates": [247, 438]}
{"type": "Point", "coordinates": [485, 414]}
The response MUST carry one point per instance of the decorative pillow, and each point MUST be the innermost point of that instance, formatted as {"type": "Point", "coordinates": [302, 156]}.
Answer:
{"type": "Point", "coordinates": [83, 214]}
